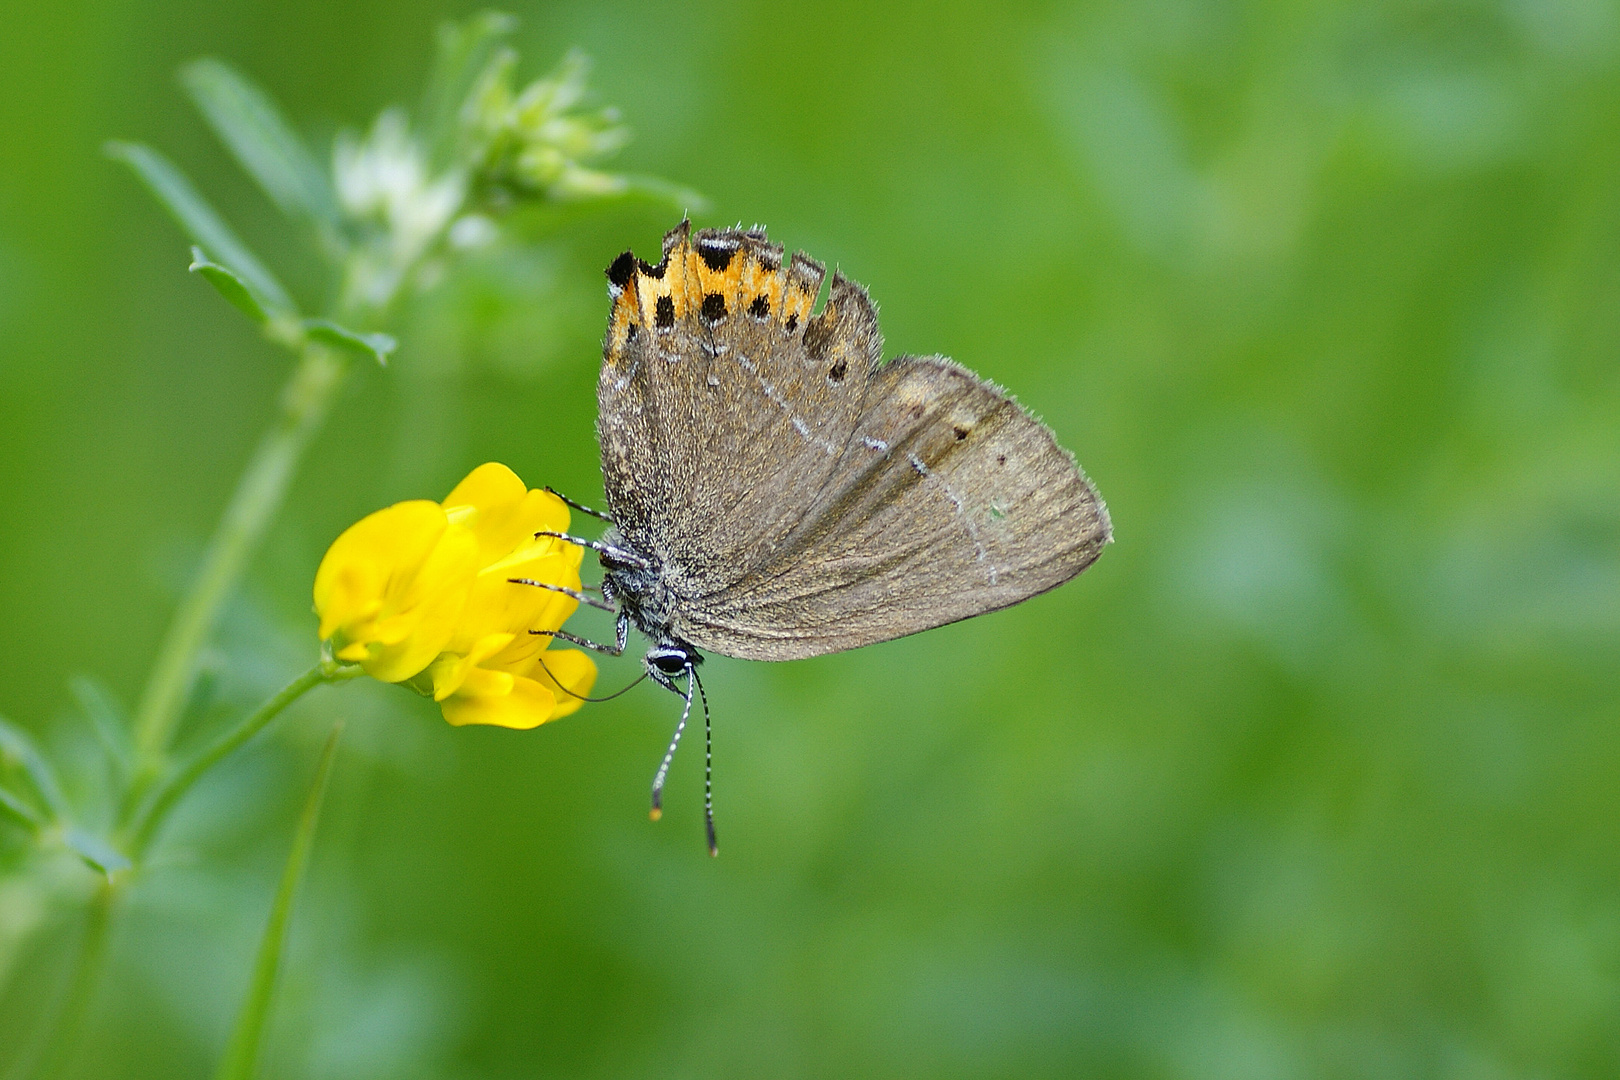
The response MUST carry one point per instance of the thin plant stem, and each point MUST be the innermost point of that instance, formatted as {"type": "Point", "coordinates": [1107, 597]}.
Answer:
{"type": "Point", "coordinates": [157, 807]}
{"type": "Point", "coordinates": [304, 403]}
{"type": "Point", "coordinates": [241, 1059]}
{"type": "Point", "coordinates": [73, 1006]}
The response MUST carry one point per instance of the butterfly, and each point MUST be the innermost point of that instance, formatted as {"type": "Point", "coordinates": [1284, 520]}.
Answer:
{"type": "Point", "coordinates": [776, 491]}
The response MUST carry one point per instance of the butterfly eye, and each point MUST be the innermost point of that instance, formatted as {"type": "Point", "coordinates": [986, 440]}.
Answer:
{"type": "Point", "coordinates": [669, 663]}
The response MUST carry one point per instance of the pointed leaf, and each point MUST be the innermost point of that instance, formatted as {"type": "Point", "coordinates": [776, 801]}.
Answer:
{"type": "Point", "coordinates": [108, 718]}
{"type": "Point", "coordinates": [229, 285]}
{"type": "Point", "coordinates": [241, 1058]}
{"type": "Point", "coordinates": [100, 854]}
{"type": "Point", "coordinates": [377, 346]}
{"type": "Point", "coordinates": [201, 223]}
{"type": "Point", "coordinates": [18, 744]}
{"type": "Point", "coordinates": [465, 50]}
{"type": "Point", "coordinates": [265, 145]}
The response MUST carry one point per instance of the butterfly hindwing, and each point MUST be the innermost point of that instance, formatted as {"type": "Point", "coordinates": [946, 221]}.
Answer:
{"type": "Point", "coordinates": [951, 501]}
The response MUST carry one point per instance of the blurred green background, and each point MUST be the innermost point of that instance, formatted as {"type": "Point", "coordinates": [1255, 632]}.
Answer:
{"type": "Point", "coordinates": [1315, 774]}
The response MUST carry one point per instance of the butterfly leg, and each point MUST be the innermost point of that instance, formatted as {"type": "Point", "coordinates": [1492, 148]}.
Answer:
{"type": "Point", "coordinates": [589, 601]}
{"type": "Point", "coordinates": [617, 554]}
{"type": "Point", "coordinates": [621, 634]}
{"type": "Point", "coordinates": [581, 507]}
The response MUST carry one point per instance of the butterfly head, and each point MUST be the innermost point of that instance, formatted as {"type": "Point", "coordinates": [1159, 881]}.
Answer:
{"type": "Point", "coordinates": [670, 660]}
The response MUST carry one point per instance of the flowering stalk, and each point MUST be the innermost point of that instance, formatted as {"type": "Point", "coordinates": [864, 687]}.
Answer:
{"type": "Point", "coordinates": [395, 205]}
{"type": "Point", "coordinates": [389, 213]}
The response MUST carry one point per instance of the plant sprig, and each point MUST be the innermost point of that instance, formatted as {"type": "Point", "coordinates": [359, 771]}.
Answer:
{"type": "Point", "coordinates": [390, 211]}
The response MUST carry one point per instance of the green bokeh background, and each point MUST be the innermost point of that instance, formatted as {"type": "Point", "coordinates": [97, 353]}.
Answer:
{"type": "Point", "coordinates": [1315, 774]}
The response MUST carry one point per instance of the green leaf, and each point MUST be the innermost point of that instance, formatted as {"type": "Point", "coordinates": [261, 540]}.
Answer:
{"type": "Point", "coordinates": [108, 718]}
{"type": "Point", "coordinates": [261, 140]}
{"type": "Point", "coordinates": [376, 346]}
{"type": "Point", "coordinates": [465, 50]}
{"type": "Point", "coordinates": [242, 1052]}
{"type": "Point", "coordinates": [100, 854]}
{"type": "Point", "coordinates": [201, 223]}
{"type": "Point", "coordinates": [229, 285]}
{"type": "Point", "coordinates": [19, 745]}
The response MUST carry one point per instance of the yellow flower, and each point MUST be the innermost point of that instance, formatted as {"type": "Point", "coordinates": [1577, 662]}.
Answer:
{"type": "Point", "coordinates": [422, 591]}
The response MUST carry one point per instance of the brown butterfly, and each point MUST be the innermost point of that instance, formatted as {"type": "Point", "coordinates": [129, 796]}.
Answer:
{"type": "Point", "coordinates": [776, 491]}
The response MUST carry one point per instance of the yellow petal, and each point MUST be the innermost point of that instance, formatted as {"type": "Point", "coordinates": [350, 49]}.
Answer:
{"type": "Point", "coordinates": [354, 575]}
{"type": "Point", "coordinates": [485, 683]}
{"type": "Point", "coordinates": [541, 510]}
{"type": "Point", "coordinates": [509, 528]}
{"type": "Point", "coordinates": [527, 705]}
{"type": "Point", "coordinates": [499, 604]}
{"type": "Point", "coordinates": [431, 601]}
{"type": "Point", "coordinates": [491, 484]}
{"type": "Point", "coordinates": [451, 669]}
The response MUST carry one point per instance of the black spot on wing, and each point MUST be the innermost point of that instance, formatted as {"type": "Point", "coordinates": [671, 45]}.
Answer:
{"type": "Point", "coordinates": [718, 257]}
{"type": "Point", "coordinates": [714, 307]}
{"type": "Point", "coordinates": [623, 269]}
{"type": "Point", "coordinates": [793, 322]}
{"type": "Point", "coordinates": [665, 314]}
{"type": "Point", "coordinates": [760, 308]}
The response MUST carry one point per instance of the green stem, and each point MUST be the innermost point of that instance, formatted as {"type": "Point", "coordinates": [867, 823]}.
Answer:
{"type": "Point", "coordinates": [241, 1058]}
{"type": "Point", "coordinates": [74, 1005]}
{"type": "Point", "coordinates": [315, 381]}
{"type": "Point", "coordinates": [157, 807]}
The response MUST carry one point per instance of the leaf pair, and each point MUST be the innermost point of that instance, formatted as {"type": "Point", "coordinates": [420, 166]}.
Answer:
{"type": "Point", "coordinates": [48, 805]}
{"type": "Point", "coordinates": [233, 270]}
{"type": "Point", "coordinates": [265, 145]}
{"type": "Point", "coordinates": [235, 289]}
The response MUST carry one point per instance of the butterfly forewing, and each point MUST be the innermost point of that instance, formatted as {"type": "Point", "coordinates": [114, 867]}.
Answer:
{"type": "Point", "coordinates": [729, 389]}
